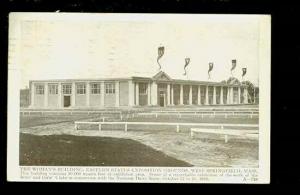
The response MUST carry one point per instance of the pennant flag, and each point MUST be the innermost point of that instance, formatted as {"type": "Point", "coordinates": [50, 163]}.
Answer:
{"type": "Point", "coordinates": [187, 61]}
{"type": "Point", "coordinates": [161, 51]}
{"type": "Point", "coordinates": [233, 65]}
{"type": "Point", "coordinates": [244, 71]}
{"type": "Point", "coordinates": [210, 67]}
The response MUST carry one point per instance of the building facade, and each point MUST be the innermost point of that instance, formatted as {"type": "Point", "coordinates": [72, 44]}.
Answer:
{"type": "Point", "coordinates": [159, 90]}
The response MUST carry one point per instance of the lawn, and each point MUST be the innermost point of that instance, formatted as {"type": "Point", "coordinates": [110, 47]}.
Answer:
{"type": "Point", "coordinates": [58, 143]}
{"type": "Point", "coordinates": [31, 121]}
{"type": "Point", "coordinates": [69, 150]}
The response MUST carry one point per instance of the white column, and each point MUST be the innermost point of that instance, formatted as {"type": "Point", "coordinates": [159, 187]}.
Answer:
{"type": "Point", "coordinates": [32, 92]}
{"type": "Point", "coordinates": [172, 95]}
{"type": "Point", "coordinates": [117, 92]}
{"type": "Point", "coordinates": [59, 95]}
{"type": "Point", "coordinates": [221, 95]}
{"type": "Point", "coordinates": [87, 92]}
{"type": "Point", "coordinates": [149, 94]}
{"type": "Point", "coordinates": [102, 93]}
{"type": "Point", "coordinates": [137, 94]}
{"type": "Point", "coordinates": [169, 94]}
{"type": "Point", "coordinates": [199, 95]}
{"type": "Point", "coordinates": [181, 94]}
{"type": "Point", "coordinates": [228, 95]}
{"type": "Point", "coordinates": [231, 95]}
{"type": "Point", "coordinates": [131, 93]}
{"type": "Point", "coordinates": [239, 95]}
{"type": "Point", "coordinates": [215, 95]}
{"type": "Point", "coordinates": [45, 95]}
{"type": "Point", "coordinates": [191, 95]}
{"type": "Point", "coordinates": [245, 95]}
{"type": "Point", "coordinates": [154, 94]}
{"type": "Point", "coordinates": [73, 94]}
{"type": "Point", "coordinates": [206, 96]}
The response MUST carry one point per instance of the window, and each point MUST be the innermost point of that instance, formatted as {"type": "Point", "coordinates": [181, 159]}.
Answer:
{"type": "Point", "coordinates": [80, 88]}
{"type": "Point", "coordinates": [53, 89]}
{"type": "Point", "coordinates": [109, 88]}
{"type": "Point", "coordinates": [67, 89]}
{"type": "Point", "coordinates": [95, 88]}
{"type": "Point", "coordinates": [39, 89]}
{"type": "Point", "coordinates": [143, 89]}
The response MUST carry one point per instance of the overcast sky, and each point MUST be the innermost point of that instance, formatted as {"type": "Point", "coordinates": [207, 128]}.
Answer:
{"type": "Point", "coordinates": [60, 46]}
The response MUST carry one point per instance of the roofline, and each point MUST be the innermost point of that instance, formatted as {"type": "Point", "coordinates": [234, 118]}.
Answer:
{"type": "Point", "coordinates": [81, 80]}
{"type": "Point", "coordinates": [172, 81]}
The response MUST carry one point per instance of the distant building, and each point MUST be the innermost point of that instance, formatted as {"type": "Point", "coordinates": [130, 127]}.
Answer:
{"type": "Point", "coordinates": [24, 97]}
{"type": "Point", "coordinates": [159, 90]}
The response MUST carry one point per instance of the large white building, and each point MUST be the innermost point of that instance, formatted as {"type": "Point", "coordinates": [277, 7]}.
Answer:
{"type": "Point", "coordinates": [159, 90]}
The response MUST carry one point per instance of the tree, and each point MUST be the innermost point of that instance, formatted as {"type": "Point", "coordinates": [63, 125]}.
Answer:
{"type": "Point", "coordinates": [250, 88]}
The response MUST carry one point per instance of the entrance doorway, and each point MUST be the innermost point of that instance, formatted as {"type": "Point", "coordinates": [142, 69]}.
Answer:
{"type": "Point", "coordinates": [67, 101]}
{"type": "Point", "coordinates": [162, 98]}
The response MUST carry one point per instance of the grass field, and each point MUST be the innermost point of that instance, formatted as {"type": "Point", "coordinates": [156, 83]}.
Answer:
{"type": "Point", "coordinates": [31, 121]}
{"type": "Point", "coordinates": [58, 143]}
{"type": "Point", "coordinates": [70, 150]}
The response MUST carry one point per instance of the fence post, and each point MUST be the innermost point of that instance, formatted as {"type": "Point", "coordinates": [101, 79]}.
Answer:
{"type": "Point", "coordinates": [76, 128]}
{"type": "Point", "coordinates": [125, 127]}
{"type": "Point", "coordinates": [100, 127]}
{"type": "Point", "coordinates": [226, 138]}
{"type": "Point", "coordinates": [177, 128]}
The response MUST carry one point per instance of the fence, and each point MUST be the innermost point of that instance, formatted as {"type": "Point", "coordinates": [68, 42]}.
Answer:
{"type": "Point", "coordinates": [234, 132]}
{"type": "Point", "coordinates": [177, 125]}
{"type": "Point", "coordinates": [198, 114]}
{"type": "Point", "coordinates": [68, 112]}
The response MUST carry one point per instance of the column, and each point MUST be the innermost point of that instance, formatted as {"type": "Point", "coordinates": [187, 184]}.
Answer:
{"type": "Point", "coordinates": [137, 94]}
{"type": "Point", "coordinates": [191, 95]}
{"type": "Point", "coordinates": [73, 95]}
{"type": "Point", "coordinates": [239, 95]}
{"type": "Point", "coordinates": [206, 96]}
{"type": "Point", "coordinates": [59, 95]}
{"type": "Point", "coordinates": [245, 95]}
{"type": "Point", "coordinates": [228, 95]}
{"type": "Point", "coordinates": [169, 94]}
{"type": "Point", "coordinates": [87, 94]}
{"type": "Point", "coordinates": [199, 95]}
{"type": "Point", "coordinates": [46, 95]}
{"type": "Point", "coordinates": [172, 95]}
{"type": "Point", "coordinates": [215, 96]}
{"type": "Point", "coordinates": [221, 95]}
{"type": "Point", "coordinates": [131, 93]}
{"type": "Point", "coordinates": [117, 91]}
{"type": "Point", "coordinates": [154, 94]}
{"type": "Point", "coordinates": [102, 93]}
{"type": "Point", "coordinates": [32, 91]}
{"type": "Point", "coordinates": [149, 94]}
{"type": "Point", "coordinates": [181, 94]}
{"type": "Point", "coordinates": [231, 95]}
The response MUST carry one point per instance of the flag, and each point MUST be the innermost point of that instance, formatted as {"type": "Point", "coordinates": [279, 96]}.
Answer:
{"type": "Point", "coordinates": [233, 65]}
{"type": "Point", "coordinates": [244, 71]}
{"type": "Point", "coordinates": [210, 67]}
{"type": "Point", "coordinates": [161, 51]}
{"type": "Point", "coordinates": [187, 61]}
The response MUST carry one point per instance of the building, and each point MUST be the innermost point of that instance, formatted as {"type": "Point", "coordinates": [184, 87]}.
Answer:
{"type": "Point", "coordinates": [159, 90]}
{"type": "Point", "coordinates": [24, 98]}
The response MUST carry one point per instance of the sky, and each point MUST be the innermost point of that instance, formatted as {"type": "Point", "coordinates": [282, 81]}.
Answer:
{"type": "Point", "coordinates": [72, 46]}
